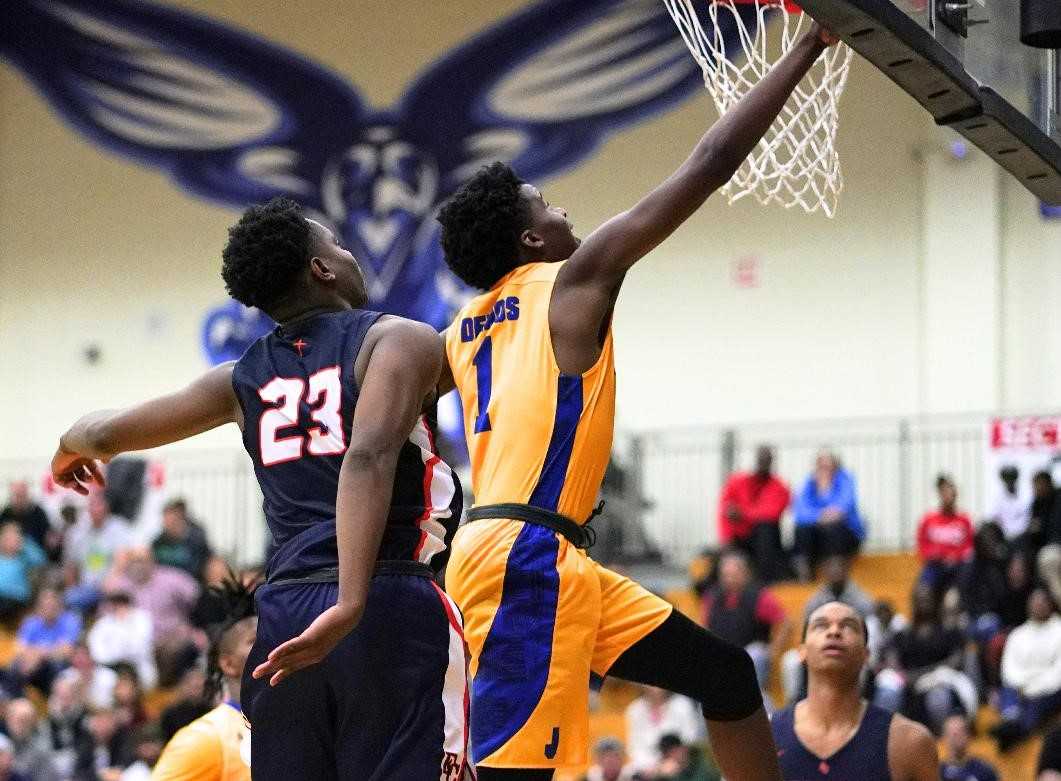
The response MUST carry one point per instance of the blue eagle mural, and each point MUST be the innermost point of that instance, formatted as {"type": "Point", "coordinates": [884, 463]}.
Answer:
{"type": "Point", "coordinates": [236, 119]}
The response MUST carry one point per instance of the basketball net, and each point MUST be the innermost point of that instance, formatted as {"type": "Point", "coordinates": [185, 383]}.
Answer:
{"type": "Point", "coordinates": [796, 162]}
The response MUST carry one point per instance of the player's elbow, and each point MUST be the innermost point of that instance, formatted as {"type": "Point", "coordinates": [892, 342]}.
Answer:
{"type": "Point", "coordinates": [743, 696]}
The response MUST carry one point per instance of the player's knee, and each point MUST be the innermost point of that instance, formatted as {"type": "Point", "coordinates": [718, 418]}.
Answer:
{"type": "Point", "coordinates": [737, 696]}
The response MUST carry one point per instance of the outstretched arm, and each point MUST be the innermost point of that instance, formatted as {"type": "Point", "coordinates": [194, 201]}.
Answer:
{"type": "Point", "coordinates": [205, 404]}
{"type": "Point", "coordinates": [402, 372]}
{"type": "Point", "coordinates": [586, 288]}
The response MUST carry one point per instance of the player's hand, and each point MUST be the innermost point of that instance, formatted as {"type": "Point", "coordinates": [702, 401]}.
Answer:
{"type": "Point", "coordinates": [310, 647]}
{"type": "Point", "coordinates": [76, 472]}
{"type": "Point", "coordinates": [824, 35]}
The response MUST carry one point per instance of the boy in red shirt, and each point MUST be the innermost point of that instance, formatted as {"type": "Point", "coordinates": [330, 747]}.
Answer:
{"type": "Point", "coordinates": [749, 513]}
{"type": "Point", "coordinates": [944, 539]}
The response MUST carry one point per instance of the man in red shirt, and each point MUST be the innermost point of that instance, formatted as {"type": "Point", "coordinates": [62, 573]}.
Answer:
{"type": "Point", "coordinates": [739, 610]}
{"type": "Point", "coordinates": [749, 513]}
{"type": "Point", "coordinates": [944, 539]}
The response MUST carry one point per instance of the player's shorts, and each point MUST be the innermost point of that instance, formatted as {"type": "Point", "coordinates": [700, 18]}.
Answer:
{"type": "Point", "coordinates": [539, 617]}
{"type": "Point", "coordinates": [389, 702]}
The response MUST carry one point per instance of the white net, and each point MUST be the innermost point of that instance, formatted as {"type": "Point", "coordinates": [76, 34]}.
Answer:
{"type": "Point", "coordinates": [796, 161]}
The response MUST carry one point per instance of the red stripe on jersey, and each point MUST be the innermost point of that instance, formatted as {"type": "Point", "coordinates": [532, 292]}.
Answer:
{"type": "Point", "coordinates": [453, 622]}
{"type": "Point", "coordinates": [429, 477]}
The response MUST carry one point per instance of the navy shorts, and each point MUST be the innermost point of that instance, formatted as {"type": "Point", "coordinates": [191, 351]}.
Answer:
{"type": "Point", "coordinates": [390, 701]}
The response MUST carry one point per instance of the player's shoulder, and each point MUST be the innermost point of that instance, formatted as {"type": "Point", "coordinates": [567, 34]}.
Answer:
{"type": "Point", "coordinates": [412, 339]}
{"type": "Point", "coordinates": [911, 748]}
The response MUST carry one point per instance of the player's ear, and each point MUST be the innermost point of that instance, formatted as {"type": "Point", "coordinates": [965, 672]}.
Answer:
{"type": "Point", "coordinates": [531, 239]}
{"type": "Point", "coordinates": [320, 269]}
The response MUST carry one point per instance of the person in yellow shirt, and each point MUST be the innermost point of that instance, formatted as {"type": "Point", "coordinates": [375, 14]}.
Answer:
{"type": "Point", "coordinates": [217, 746]}
{"type": "Point", "coordinates": [532, 358]}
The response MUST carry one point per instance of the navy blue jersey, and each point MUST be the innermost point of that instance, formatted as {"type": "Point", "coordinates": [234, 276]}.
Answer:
{"type": "Point", "coordinates": [298, 392]}
{"type": "Point", "coordinates": [864, 757]}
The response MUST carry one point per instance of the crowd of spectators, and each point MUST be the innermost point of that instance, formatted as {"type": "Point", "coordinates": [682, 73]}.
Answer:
{"type": "Point", "coordinates": [100, 617]}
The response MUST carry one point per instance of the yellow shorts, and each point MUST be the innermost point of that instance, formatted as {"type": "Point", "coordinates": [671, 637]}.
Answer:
{"type": "Point", "coordinates": [539, 617]}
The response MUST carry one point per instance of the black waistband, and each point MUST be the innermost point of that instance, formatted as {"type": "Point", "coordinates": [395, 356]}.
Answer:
{"type": "Point", "coordinates": [580, 536]}
{"type": "Point", "coordinates": [385, 567]}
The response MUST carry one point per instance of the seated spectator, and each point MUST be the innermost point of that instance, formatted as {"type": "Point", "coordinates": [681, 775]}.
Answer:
{"type": "Point", "coordinates": [189, 704]}
{"type": "Point", "coordinates": [944, 540]}
{"type": "Point", "coordinates": [31, 519]}
{"type": "Point", "coordinates": [123, 633]}
{"type": "Point", "coordinates": [33, 755]}
{"type": "Point", "coordinates": [46, 640]}
{"type": "Point", "coordinates": [65, 723]}
{"type": "Point", "coordinates": [1020, 583]}
{"type": "Point", "coordinates": [957, 765]}
{"type": "Point", "coordinates": [742, 612]}
{"type": "Point", "coordinates": [1011, 511]}
{"type": "Point", "coordinates": [749, 515]}
{"type": "Point", "coordinates": [1031, 673]}
{"type": "Point", "coordinates": [882, 625]}
{"type": "Point", "coordinates": [168, 596]}
{"type": "Point", "coordinates": [129, 697]}
{"type": "Point", "coordinates": [838, 587]}
{"type": "Point", "coordinates": [20, 558]}
{"type": "Point", "coordinates": [654, 714]}
{"type": "Point", "coordinates": [608, 762]}
{"type": "Point", "coordinates": [1046, 518]}
{"type": "Point", "coordinates": [105, 749]}
{"type": "Point", "coordinates": [981, 583]}
{"type": "Point", "coordinates": [827, 518]}
{"type": "Point", "coordinates": [182, 543]}
{"type": "Point", "coordinates": [1050, 757]}
{"type": "Point", "coordinates": [923, 674]}
{"type": "Point", "coordinates": [1040, 514]}
{"type": "Point", "coordinates": [89, 551]}
{"type": "Point", "coordinates": [147, 747]}
{"type": "Point", "coordinates": [95, 681]}
{"type": "Point", "coordinates": [7, 762]}
{"type": "Point", "coordinates": [681, 762]}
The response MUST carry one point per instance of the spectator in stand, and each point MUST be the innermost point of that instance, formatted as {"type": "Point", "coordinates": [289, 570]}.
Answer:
{"type": "Point", "coordinates": [957, 765]}
{"type": "Point", "coordinates": [827, 519]}
{"type": "Point", "coordinates": [944, 540]}
{"type": "Point", "coordinates": [654, 714]}
{"type": "Point", "coordinates": [46, 640]}
{"type": "Point", "coordinates": [147, 745]}
{"type": "Point", "coordinates": [1011, 511]}
{"type": "Point", "coordinates": [90, 549]}
{"type": "Point", "coordinates": [33, 755]}
{"type": "Point", "coordinates": [838, 587]}
{"type": "Point", "coordinates": [923, 675]}
{"type": "Point", "coordinates": [123, 633]}
{"type": "Point", "coordinates": [7, 762]}
{"type": "Point", "coordinates": [982, 583]}
{"type": "Point", "coordinates": [129, 697]}
{"type": "Point", "coordinates": [189, 704]}
{"type": "Point", "coordinates": [94, 680]}
{"type": "Point", "coordinates": [182, 543]}
{"type": "Point", "coordinates": [20, 558]}
{"type": "Point", "coordinates": [1050, 757]}
{"type": "Point", "coordinates": [681, 762]}
{"type": "Point", "coordinates": [1031, 673]}
{"type": "Point", "coordinates": [739, 610]}
{"type": "Point", "coordinates": [882, 625]}
{"type": "Point", "coordinates": [105, 749]}
{"type": "Point", "coordinates": [31, 518]}
{"type": "Point", "coordinates": [749, 515]}
{"type": "Point", "coordinates": [1019, 585]}
{"type": "Point", "coordinates": [608, 762]}
{"type": "Point", "coordinates": [65, 723]}
{"type": "Point", "coordinates": [1040, 514]}
{"type": "Point", "coordinates": [1046, 518]}
{"type": "Point", "coordinates": [168, 596]}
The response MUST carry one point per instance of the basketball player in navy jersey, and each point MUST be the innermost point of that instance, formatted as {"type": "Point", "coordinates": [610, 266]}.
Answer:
{"type": "Point", "coordinates": [357, 502]}
{"type": "Point", "coordinates": [834, 734]}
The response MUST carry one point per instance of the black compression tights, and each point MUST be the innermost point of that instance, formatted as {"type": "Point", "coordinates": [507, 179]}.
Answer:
{"type": "Point", "coordinates": [681, 657]}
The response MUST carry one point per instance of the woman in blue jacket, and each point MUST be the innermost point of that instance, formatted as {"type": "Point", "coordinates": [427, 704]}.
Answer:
{"type": "Point", "coordinates": [827, 518]}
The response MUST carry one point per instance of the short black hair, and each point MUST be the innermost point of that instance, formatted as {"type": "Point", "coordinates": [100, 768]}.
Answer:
{"type": "Point", "coordinates": [266, 251]}
{"type": "Point", "coordinates": [858, 613]}
{"type": "Point", "coordinates": [237, 600]}
{"type": "Point", "coordinates": [944, 479]}
{"type": "Point", "coordinates": [481, 226]}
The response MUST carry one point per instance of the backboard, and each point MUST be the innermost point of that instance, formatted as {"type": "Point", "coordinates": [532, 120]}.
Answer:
{"type": "Point", "coordinates": [963, 60]}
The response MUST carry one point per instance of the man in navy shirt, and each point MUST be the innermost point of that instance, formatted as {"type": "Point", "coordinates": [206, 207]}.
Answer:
{"type": "Point", "coordinates": [358, 503]}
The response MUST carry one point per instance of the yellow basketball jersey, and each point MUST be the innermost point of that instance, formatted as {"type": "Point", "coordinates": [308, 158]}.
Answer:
{"type": "Point", "coordinates": [535, 436]}
{"type": "Point", "coordinates": [214, 747]}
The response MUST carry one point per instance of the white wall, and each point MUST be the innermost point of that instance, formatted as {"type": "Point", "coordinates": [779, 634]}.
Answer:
{"type": "Point", "coordinates": [95, 249]}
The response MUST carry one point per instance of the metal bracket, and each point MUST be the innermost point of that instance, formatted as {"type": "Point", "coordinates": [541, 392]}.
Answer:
{"type": "Point", "coordinates": [953, 15]}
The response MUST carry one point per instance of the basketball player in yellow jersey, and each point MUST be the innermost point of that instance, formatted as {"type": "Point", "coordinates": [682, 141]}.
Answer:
{"type": "Point", "coordinates": [532, 359]}
{"type": "Point", "coordinates": [216, 746]}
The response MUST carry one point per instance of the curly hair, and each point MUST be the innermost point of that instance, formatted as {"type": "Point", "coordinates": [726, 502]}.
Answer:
{"type": "Point", "coordinates": [481, 225]}
{"type": "Point", "coordinates": [237, 600]}
{"type": "Point", "coordinates": [266, 250]}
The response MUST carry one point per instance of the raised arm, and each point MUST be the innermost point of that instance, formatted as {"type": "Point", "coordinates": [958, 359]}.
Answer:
{"type": "Point", "coordinates": [402, 371]}
{"type": "Point", "coordinates": [586, 288]}
{"type": "Point", "coordinates": [205, 404]}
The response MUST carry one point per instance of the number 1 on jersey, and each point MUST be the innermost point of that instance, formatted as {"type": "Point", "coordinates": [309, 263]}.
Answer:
{"type": "Point", "coordinates": [484, 367]}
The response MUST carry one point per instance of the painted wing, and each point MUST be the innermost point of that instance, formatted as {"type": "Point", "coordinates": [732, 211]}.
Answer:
{"type": "Point", "coordinates": [545, 87]}
{"type": "Point", "coordinates": [229, 115]}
